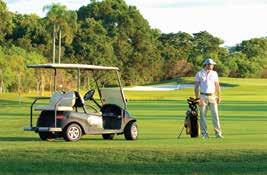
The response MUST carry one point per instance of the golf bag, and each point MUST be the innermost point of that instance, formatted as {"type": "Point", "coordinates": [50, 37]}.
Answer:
{"type": "Point", "coordinates": [191, 118]}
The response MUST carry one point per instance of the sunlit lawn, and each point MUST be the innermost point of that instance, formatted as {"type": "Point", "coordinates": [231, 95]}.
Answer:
{"type": "Point", "coordinates": [160, 116]}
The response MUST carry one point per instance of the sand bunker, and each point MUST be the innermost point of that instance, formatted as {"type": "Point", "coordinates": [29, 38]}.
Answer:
{"type": "Point", "coordinates": [159, 87]}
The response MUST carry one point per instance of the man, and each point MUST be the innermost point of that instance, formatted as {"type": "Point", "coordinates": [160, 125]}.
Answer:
{"type": "Point", "coordinates": [207, 88]}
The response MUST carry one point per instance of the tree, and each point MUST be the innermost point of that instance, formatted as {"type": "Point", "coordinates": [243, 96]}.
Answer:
{"type": "Point", "coordinates": [255, 49]}
{"type": "Point", "coordinates": [63, 22]}
{"type": "Point", "coordinates": [134, 42]}
{"type": "Point", "coordinates": [37, 75]}
{"type": "Point", "coordinates": [29, 33]}
{"type": "Point", "coordinates": [239, 65]}
{"type": "Point", "coordinates": [175, 49]}
{"type": "Point", "coordinates": [15, 57]}
{"type": "Point", "coordinates": [92, 45]}
{"type": "Point", "coordinates": [204, 46]}
{"type": "Point", "coordinates": [15, 76]}
{"type": "Point", "coordinates": [5, 21]}
{"type": "Point", "coordinates": [255, 52]}
{"type": "Point", "coordinates": [6, 75]}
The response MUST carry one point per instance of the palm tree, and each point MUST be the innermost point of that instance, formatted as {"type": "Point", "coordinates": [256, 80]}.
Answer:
{"type": "Point", "coordinates": [61, 22]}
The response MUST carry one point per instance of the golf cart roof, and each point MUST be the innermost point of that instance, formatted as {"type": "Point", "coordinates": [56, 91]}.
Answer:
{"type": "Point", "coordinates": [71, 66]}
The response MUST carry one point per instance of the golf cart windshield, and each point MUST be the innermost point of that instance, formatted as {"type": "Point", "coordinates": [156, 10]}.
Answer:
{"type": "Point", "coordinates": [112, 96]}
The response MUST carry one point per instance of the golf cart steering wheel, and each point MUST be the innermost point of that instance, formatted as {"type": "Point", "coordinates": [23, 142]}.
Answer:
{"type": "Point", "coordinates": [89, 95]}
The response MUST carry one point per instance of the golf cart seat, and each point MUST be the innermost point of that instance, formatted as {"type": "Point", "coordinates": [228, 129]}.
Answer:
{"type": "Point", "coordinates": [65, 102]}
{"type": "Point", "coordinates": [79, 102]}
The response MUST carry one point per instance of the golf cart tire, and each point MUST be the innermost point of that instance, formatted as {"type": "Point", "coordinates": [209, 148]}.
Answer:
{"type": "Point", "coordinates": [108, 136]}
{"type": "Point", "coordinates": [131, 131]}
{"type": "Point", "coordinates": [45, 135]}
{"type": "Point", "coordinates": [72, 132]}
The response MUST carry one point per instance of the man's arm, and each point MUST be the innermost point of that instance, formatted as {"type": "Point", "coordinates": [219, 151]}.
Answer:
{"type": "Point", "coordinates": [197, 83]}
{"type": "Point", "coordinates": [218, 91]}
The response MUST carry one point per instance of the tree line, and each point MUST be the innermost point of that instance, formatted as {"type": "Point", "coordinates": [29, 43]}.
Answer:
{"type": "Point", "coordinates": [112, 33]}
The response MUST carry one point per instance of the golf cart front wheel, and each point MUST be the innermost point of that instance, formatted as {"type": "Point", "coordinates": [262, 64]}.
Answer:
{"type": "Point", "coordinates": [108, 136]}
{"type": "Point", "coordinates": [131, 131]}
{"type": "Point", "coordinates": [72, 132]}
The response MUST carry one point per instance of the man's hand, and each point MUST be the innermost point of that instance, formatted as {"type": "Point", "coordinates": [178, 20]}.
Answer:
{"type": "Point", "coordinates": [218, 92]}
{"type": "Point", "coordinates": [218, 100]}
{"type": "Point", "coordinates": [197, 83]}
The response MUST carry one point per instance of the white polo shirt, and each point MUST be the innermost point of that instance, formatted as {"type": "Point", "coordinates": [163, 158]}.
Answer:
{"type": "Point", "coordinates": [207, 80]}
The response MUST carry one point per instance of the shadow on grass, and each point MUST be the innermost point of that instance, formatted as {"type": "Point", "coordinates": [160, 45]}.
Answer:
{"type": "Point", "coordinates": [100, 139]}
{"type": "Point", "coordinates": [229, 85]}
{"type": "Point", "coordinates": [246, 134]}
{"type": "Point", "coordinates": [13, 102]}
{"type": "Point", "coordinates": [93, 161]}
{"type": "Point", "coordinates": [18, 139]}
{"type": "Point", "coordinates": [13, 115]}
{"type": "Point", "coordinates": [17, 103]}
{"type": "Point", "coordinates": [124, 140]}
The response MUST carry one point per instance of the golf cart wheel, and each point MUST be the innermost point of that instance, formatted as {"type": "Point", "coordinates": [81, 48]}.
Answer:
{"type": "Point", "coordinates": [72, 132]}
{"type": "Point", "coordinates": [45, 135]}
{"type": "Point", "coordinates": [131, 131]}
{"type": "Point", "coordinates": [108, 136]}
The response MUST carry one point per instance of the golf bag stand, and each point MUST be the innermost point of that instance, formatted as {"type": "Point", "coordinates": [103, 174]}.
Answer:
{"type": "Point", "coordinates": [191, 119]}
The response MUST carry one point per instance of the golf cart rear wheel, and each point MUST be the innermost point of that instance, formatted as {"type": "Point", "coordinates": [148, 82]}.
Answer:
{"type": "Point", "coordinates": [45, 135]}
{"type": "Point", "coordinates": [72, 132]}
{"type": "Point", "coordinates": [108, 136]}
{"type": "Point", "coordinates": [131, 131]}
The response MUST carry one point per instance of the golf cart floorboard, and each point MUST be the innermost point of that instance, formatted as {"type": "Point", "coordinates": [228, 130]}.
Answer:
{"type": "Point", "coordinates": [110, 131]}
{"type": "Point", "coordinates": [43, 129]}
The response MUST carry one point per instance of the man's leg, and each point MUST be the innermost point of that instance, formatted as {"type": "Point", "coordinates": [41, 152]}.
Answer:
{"type": "Point", "coordinates": [215, 119]}
{"type": "Point", "coordinates": [203, 113]}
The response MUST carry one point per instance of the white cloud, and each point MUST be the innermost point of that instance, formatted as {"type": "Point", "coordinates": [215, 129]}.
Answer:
{"type": "Point", "coordinates": [36, 6]}
{"type": "Point", "coordinates": [192, 3]}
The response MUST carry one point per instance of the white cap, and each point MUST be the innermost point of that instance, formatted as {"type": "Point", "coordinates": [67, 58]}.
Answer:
{"type": "Point", "coordinates": [209, 61]}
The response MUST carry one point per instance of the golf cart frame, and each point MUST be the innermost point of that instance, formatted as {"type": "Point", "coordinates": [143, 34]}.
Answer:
{"type": "Point", "coordinates": [127, 123]}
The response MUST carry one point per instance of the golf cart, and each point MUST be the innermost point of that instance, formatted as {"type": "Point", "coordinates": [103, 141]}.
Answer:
{"type": "Point", "coordinates": [69, 117]}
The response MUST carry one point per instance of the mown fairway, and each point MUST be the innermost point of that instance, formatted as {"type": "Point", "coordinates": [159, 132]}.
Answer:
{"type": "Point", "coordinates": [158, 151]}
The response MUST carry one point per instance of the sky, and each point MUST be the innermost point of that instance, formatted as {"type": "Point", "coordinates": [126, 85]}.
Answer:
{"type": "Point", "coordinates": [230, 20]}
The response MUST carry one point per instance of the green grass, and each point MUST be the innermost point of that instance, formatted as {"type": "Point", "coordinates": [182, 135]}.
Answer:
{"type": "Point", "coordinates": [160, 116]}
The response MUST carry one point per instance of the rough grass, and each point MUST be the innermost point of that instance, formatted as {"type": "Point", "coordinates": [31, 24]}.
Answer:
{"type": "Point", "coordinates": [158, 151]}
